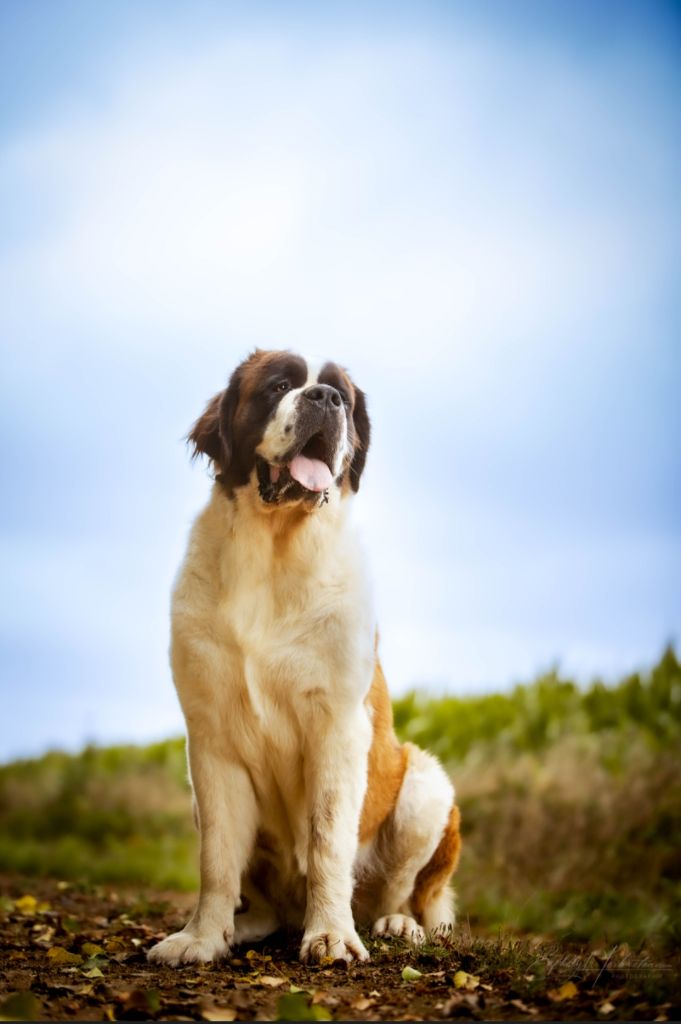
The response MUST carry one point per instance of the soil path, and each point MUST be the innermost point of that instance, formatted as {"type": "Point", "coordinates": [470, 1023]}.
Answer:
{"type": "Point", "coordinates": [75, 953]}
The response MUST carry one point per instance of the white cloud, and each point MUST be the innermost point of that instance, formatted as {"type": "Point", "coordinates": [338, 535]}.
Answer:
{"type": "Point", "coordinates": [251, 190]}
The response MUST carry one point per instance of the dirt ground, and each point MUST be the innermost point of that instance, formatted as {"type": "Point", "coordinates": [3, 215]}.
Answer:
{"type": "Point", "coordinates": [76, 953]}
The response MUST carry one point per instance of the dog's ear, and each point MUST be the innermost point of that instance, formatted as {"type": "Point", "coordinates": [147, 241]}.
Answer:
{"type": "Point", "coordinates": [204, 437]}
{"type": "Point", "coordinates": [213, 432]}
{"type": "Point", "coordinates": [362, 438]}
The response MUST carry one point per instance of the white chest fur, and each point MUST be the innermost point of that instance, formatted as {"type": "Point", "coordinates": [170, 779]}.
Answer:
{"type": "Point", "coordinates": [272, 630]}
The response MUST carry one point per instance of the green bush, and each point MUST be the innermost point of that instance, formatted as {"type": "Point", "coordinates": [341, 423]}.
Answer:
{"type": "Point", "coordinates": [533, 716]}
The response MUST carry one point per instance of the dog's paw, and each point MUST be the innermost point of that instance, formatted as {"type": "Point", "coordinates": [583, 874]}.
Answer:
{"type": "Point", "coordinates": [188, 947]}
{"type": "Point", "coordinates": [400, 925]}
{"type": "Point", "coordinates": [335, 945]}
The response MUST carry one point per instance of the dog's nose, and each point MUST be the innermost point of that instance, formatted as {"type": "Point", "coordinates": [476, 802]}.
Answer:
{"type": "Point", "coordinates": [323, 395]}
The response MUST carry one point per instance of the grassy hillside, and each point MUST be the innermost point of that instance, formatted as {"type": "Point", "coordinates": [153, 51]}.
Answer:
{"type": "Point", "coordinates": [571, 803]}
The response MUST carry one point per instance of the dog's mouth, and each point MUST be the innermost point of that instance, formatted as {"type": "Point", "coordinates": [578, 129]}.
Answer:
{"type": "Point", "coordinates": [306, 472]}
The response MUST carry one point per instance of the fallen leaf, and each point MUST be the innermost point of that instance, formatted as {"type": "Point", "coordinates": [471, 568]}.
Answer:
{"type": "Point", "coordinates": [294, 1006]}
{"type": "Point", "coordinates": [43, 935]}
{"type": "Point", "coordinates": [256, 957]}
{"type": "Point", "coordinates": [21, 1006]}
{"type": "Point", "coordinates": [411, 974]}
{"type": "Point", "coordinates": [219, 1013]}
{"type": "Point", "coordinates": [153, 998]}
{"type": "Point", "coordinates": [26, 905]}
{"type": "Point", "coordinates": [605, 1008]}
{"type": "Point", "coordinates": [117, 949]}
{"type": "Point", "coordinates": [294, 989]}
{"type": "Point", "coordinates": [59, 955]}
{"type": "Point", "coordinates": [91, 949]}
{"type": "Point", "coordinates": [523, 1007]}
{"type": "Point", "coordinates": [462, 979]}
{"type": "Point", "coordinates": [95, 961]}
{"type": "Point", "coordinates": [567, 991]}
{"type": "Point", "coordinates": [145, 1000]}
{"type": "Point", "coordinates": [361, 1003]}
{"type": "Point", "coordinates": [93, 972]}
{"type": "Point", "coordinates": [270, 981]}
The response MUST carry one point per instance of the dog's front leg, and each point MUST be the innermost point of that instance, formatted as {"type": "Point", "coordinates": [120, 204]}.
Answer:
{"type": "Point", "coordinates": [335, 778]}
{"type": "Point", "coordinates": [227, 824]}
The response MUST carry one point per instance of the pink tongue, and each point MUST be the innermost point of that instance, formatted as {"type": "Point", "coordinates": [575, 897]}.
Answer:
{"type": "Point", "coordinates": [311, 473]}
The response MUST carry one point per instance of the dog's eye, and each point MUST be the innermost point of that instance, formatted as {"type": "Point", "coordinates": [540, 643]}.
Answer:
{"type": "Point", "coordinates": [281, 386]}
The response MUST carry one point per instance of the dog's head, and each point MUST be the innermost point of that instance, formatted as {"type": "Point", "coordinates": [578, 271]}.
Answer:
{"type": "Point", "coordinates": [292, 430]}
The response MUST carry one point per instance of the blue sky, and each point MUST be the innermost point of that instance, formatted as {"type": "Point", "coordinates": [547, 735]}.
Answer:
{"type": "Point", "coordinates": [474, 206]}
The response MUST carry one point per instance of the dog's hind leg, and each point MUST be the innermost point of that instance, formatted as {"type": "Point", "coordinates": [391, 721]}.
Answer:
{"type": "Point", "coordinates": [416, 851]}
{"type": "Point", "coordinates": [432, 900]}
{"type": "Point", "coordinates": [258, 920]}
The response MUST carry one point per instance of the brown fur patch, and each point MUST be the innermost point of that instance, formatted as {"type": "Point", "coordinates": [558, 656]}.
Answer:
{"type": "Point", "coordinates": [258, 367]}
{"type": "Point", "coordinates": [234, 421]}
{"type": "Point", "coordinates": [362, 438]}
{"type": "Point", "coordinates": [205, 434]}
{"type": "Point", "coordinates": [387, 760]}
{"type": "Point", "coordinates": [433, 877]}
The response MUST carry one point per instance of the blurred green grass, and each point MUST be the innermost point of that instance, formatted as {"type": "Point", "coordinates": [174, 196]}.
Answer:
{"type": "Point", "coordinates": [570, 798]}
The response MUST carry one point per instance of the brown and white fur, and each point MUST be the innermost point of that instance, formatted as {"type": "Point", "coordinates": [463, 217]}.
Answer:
{"type": "Point", "coordinates": [310, 812]}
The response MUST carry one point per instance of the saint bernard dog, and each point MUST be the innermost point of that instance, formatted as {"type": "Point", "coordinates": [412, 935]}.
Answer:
{"type": "Point", "coordinates": [311, 814]}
